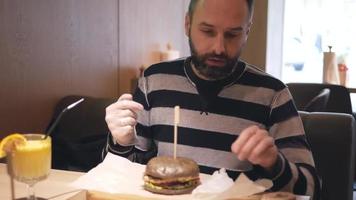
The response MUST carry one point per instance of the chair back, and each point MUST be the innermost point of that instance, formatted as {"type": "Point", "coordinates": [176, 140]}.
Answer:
{"type": "Point", "coordinates": [319, 102]}
{"type": "Point", "coordinates": [80, 135]}
{"type": "Point", "coordinates": [332, 140]}
{"type": "Point", "coordinates": [338, 100]}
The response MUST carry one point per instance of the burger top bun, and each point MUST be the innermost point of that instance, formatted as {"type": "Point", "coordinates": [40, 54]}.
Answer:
{"type": "Point", "coordinates": [167, 167]}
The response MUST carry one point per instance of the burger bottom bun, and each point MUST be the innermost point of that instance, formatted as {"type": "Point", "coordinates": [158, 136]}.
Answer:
{"type": "Point", "coordinates": [169, 192]}
{"type": "Point", "coordinates": [279, 196]}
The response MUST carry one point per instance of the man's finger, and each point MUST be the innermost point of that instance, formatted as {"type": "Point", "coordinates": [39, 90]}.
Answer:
{"type": "Point", "coordinates": [242, 139]}
{"type": "Point", "coordinates": [128, 121]}
{"type": "Point", "coordinates": [263, 146]}
{"type": "Point", "coordinates": [125, 104]}
{"type": "Point", "coordinates": [125, 96]}
{"type": "Point", "coordinates": [250, 144]}
{"type": "Point", "coordinates": [131, 105]}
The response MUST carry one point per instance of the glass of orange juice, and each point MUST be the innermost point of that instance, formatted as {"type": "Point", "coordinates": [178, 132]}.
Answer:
{"type": "Point", "coordinates": [31, 161]}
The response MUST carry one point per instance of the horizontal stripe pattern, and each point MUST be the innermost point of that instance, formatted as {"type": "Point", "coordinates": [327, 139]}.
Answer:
{"type": "Point", "coordinates": [282, 97]}
{"type": "Point", "coordinates": [284, 178]}
{"type": "Point", "coordinates": [300, 186]}
{"type": "Point", "coordinates": [314, 182]}
{"type": "Point", "coordinates": [308, 176]}
{"type": "Point", "coordinates": [179, 83]}
{"type": "Point", "coordinates": [257, 95]}
{"type": "Point", "coordinates": [170, 82]}
{"type": "Point", "coordinates": [290, 185]}
{"type": "Point", "coordinates": [229, 107]}
{"type": "Point", "coordinates": [287, 128]}
{"type": "Point", "coordinates": [206, 156]}
{"type": "Point", "coordinates": [194, 137]}
{"type": "Point", "coordinates": [283, 112]}
{"type": "Point", "coordinates": [196, 120]}
{"type": "Point", "coordinates": [251, 78]}
{"type": "Point", "coordinates": [296, 142]}
{"type": "Point", "coordinates": [297, 155]}
{"type": "Point", "coordinates": [175, 67]}
{"type": "Point", "coordinates": [140, 93]}
{"type": "Point", "coordinates": [253, 99]}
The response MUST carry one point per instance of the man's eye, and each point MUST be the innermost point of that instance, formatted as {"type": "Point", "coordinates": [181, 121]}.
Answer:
{"type": "Point", "coordinates": [208, 32]}
{"type": "Point", "coordinates": [231, 35]}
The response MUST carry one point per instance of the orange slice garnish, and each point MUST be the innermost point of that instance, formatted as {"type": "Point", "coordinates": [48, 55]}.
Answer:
{"type": "Point", "coordinates": [10, 142]}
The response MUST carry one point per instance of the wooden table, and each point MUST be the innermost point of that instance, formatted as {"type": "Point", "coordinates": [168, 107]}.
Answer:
{"type": "Point", "coordinates": [54, 187]}
{"type": "Point", "coordinates": [352, 90]}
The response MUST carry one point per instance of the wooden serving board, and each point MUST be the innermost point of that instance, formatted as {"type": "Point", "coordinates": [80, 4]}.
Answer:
{"type": "Point", "coordinates": [96, 195]}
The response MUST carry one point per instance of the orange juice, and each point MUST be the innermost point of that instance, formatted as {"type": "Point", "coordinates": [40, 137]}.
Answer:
{"type": "Point", "coordinates": [31, 162]}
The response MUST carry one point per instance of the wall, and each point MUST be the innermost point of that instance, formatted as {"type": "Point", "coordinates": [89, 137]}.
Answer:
{"type": "Point", "coordinates": [49, 49]}
{"type": "Point", "coordinates": [145, 29]}
{"type": "Point", "coordinates": [147, 26]}
{"type": "Point", "coordinates": [255, 50]}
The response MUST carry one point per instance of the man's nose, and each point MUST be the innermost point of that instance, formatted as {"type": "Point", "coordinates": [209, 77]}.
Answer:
{"type": "Point", "coordinates": [219, 45]}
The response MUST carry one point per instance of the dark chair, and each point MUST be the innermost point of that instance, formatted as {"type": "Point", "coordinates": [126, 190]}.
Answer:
{"type": "Point", "coordinates": [338, 99]}
{"type": "Point", "coordinates": [80, 135]}
{"type": "Point", "coordinates": [332, 140]}
{"type": "Point", "coordinates": [319, 102]}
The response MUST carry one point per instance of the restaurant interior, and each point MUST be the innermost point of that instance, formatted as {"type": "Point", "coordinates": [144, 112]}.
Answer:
{"type": "Point", "coordinates": [53, 53]}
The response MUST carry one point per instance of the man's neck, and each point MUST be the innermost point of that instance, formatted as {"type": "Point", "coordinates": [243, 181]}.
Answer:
{"type": "Point", "coordinates": [196, 72]}
{"type": "Point", "coordinates": [201, 76]}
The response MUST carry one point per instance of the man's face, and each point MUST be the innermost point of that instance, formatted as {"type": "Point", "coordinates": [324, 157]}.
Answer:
{"type": "Point", "coordinates": [217, 33]}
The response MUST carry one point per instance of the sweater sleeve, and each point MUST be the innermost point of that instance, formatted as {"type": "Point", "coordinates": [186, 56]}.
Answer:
{"type": "Point", "coordinates": [298, 174]}
{"type": "Point", "coordinates": [143, 148]}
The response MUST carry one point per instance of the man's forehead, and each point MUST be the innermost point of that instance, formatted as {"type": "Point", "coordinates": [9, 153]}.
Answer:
{"type": "Point", "coordinates": [228, 3]}
{"type": "Point", "coordinates": [228, 12]}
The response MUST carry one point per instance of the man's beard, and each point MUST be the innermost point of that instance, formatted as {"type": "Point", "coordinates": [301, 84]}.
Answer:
{"type": "Point", "coordinates": [212, 72]}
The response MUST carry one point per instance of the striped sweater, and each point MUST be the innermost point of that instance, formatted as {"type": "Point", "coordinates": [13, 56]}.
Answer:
{"type": "Point", "coordinates": [209, 125]}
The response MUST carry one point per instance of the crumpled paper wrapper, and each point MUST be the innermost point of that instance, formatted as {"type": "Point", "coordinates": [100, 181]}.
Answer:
{"type": "Point", "coordinates": [121, 176]}
{"type": "Point", "coordinates": [221, 186]}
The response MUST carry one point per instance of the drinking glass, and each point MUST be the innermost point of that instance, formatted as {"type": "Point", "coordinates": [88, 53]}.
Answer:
{"type": "Point", "coordinates": [31, 162]}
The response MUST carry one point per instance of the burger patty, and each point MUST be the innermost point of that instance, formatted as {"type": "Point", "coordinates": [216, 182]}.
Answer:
{"type": "Point", "coordinates": [170, 181]}
{"type": "Point", "coordinates": [173, 185]}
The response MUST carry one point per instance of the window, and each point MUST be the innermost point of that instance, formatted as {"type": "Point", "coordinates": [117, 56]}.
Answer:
{"type": "Point", "coordinates": [308, 28]}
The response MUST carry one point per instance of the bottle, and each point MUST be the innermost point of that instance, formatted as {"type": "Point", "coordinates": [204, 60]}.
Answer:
{"type": "Point", "coordinates": [342, 69]}
{"type": "Point", "coordinates": [343, 73]}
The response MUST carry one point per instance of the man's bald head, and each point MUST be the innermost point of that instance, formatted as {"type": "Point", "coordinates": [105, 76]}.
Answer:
{"type": "Point", "coordinates": [193, 4]}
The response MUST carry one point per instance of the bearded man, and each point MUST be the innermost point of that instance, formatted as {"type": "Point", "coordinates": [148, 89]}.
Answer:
{"type": "Point", "coordinates": [233, 115]}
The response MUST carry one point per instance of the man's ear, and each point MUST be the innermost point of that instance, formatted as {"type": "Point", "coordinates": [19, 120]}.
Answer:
{"type": "Point", "coordinates": [248, 30]}
{"type": "Point", "coordinates": [249, 27]}
{"type": "Point", "coordinates": [187, 24]}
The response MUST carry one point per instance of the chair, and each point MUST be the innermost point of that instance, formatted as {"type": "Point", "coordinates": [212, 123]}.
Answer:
{"type": "Point", "coordinates": [338, 100]}
{"type": "Point", "coordinates": [319, 102]}
{"type": "Point", "coordinates": [80, 135]}
{"type": "Point", "coordinates": [332, 140]}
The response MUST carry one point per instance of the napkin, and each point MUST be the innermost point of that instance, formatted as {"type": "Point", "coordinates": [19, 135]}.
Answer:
{"type": "Point", "coordinates": [121, 176]}
{"type": "Point", "coordinates": [114, 175]}
{"type": "Point", "coordinates": [220, 186]}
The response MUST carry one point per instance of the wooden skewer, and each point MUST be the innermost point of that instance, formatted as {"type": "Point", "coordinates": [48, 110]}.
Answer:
{"type": "Point", "coordinates": [176, 121]}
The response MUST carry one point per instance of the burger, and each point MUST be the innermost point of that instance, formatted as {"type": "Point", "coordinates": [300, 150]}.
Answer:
{"type": "Point", "coordinates": [166, 175]}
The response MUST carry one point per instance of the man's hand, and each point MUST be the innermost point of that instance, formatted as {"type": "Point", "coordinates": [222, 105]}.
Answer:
{"type": "Point", "coordinates": [256, 146]}
{"type": "Point", "coordinates": [121, 118]}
